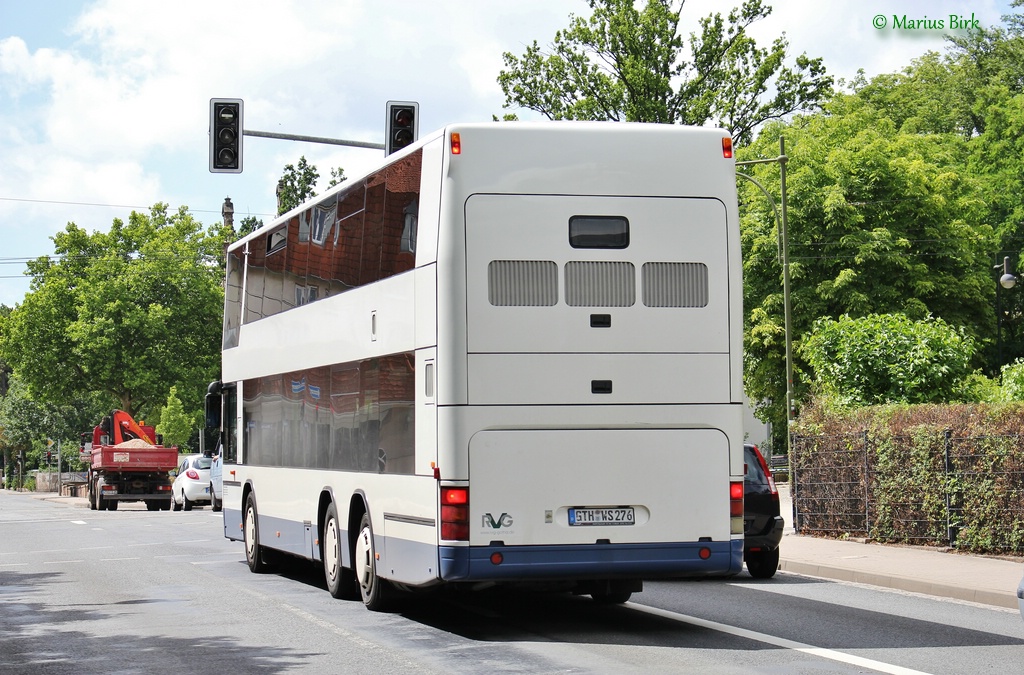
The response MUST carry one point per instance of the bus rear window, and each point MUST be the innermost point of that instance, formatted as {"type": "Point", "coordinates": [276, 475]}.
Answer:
{"type": "Point", "coordinates": [598, 232]}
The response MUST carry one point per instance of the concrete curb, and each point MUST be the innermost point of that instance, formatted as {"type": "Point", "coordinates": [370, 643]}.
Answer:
{"type": "Point", "coordinates": [901, 583]}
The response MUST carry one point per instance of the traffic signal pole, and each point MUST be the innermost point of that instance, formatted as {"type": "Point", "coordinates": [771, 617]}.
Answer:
{"type": "Point", "coordinates": [227, 128]}
{"type": "Point", "coordinates": [313, 139]}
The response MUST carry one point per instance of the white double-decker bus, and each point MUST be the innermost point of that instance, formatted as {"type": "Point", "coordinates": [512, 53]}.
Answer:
{"type": "Point", "coordinates": [511, 354]}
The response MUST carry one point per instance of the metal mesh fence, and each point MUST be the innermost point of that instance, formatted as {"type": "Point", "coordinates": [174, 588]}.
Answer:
{"type": "Point", "coordinates": [925, 488]}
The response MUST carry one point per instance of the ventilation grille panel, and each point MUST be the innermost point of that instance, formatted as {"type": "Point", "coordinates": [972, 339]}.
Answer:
{"type": "Point", "coordinates": [600, 284]}
{"type": "Point", "coordinates": [522, 283]}
{"type": "Point", "coordinates": [675, 284]}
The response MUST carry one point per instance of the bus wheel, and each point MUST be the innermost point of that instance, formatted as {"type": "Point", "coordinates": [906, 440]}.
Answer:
{"type": "Point", "coordinates": [614, 592]}
{"type": "Point", "coordinates": [251, 530]}
{"type": "Point", "coordinates": [611, 598]}
{"type": "Point", "coordinates": [341, 581]}
{"type": "Point", "coordinates": [374, 590]}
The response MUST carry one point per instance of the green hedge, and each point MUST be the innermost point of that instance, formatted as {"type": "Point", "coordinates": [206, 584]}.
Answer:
{"type": "Point", "coordinates": [947, 475]}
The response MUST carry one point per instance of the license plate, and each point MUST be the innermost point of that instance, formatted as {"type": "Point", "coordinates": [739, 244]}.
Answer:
{"type": "Point", "coordinates": [206, 490]}
{"type": "Point", "coordinates": [619, 515]}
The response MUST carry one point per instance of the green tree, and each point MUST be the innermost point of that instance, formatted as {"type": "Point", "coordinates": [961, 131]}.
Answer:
{"type": "Point", "coordinates": [630, 64]}
{"type": "Point", "coordinates": [297, 184]}
{"type": "Point", "coordinates": [249, 224]}
{"type": "Point", "coordinates": [175, 424]}
{"type": "Point", "coordinates": [337, 177]}
{"type": "Point", "coordinates": [126, 313]}
{"type": "Point", "coordinates": [26, 423]}
{"type": "Point", "coordinates": [881, 221]}
{"type": "Point", "coordinates": [888, 358]}
{"type": "Point", "coordinates": [974, 90]}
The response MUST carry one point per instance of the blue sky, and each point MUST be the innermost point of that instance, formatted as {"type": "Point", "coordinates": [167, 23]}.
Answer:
{"type": "Point", "coordinates": [104, 104]}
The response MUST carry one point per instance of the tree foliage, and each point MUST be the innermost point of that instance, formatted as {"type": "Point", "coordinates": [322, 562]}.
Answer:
{"type": "Point", "coordinates": [127, 313]}
{"type": "Point", "coordinates": [880, 221]}
{"type": "Point", "coordinates": [888, 358]}
{"type": "Point", "coordinates": [298, 183]}
{"type": "Point", "coordinates": [625, 63]}
{"type": "Point", "coordinates": [25, 422]}
{"type": "Point", "coordinates": [175, 424]}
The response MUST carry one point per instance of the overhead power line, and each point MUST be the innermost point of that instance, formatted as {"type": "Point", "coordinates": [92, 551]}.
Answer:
{"type": "Point", "coordinates": [111, 206]}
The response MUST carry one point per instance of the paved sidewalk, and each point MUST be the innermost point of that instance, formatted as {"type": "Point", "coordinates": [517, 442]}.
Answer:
{"type": "Point", "coordinates": [990, 581]}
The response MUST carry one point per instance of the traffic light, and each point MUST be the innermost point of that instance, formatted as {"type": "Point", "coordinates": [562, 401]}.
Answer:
{"type": "Point", "coordinates": [226, 135]}
{"type": "Point", "coordinates": [403, 125]}
{"type": "Point", "coordinates": [49, 455]}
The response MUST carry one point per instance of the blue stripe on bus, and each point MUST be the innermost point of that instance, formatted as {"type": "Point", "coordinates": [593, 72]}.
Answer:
{"type": "Point", "coordinates": [459, 563]}
{"type": "Point", "coordinates": [520, 563]}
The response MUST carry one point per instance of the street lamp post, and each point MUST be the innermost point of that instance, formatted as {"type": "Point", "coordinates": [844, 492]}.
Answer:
{"type": "Point", "coordinates": [784, 254]}
{"type": "Point", "coordinates": [1008, 280]}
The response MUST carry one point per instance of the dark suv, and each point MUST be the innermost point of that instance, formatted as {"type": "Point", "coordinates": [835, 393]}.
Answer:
{"type": "Point", "coordinates": [762, 524]}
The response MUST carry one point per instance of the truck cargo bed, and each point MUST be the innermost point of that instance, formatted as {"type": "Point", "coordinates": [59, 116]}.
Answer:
{"type": "Point", "coordinates": [134, 458]}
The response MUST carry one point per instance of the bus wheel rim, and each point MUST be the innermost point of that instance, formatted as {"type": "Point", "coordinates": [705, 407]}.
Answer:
{"type": "Point", "coordinates": [331, 551]}
{"type": "Point", "coordinates": [364, 560]}
{"type": "Point", "coordinates": [250, 535]}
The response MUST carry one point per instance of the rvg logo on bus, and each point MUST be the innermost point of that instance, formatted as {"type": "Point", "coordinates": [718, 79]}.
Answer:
{"type": "Point", "coordinates": [504, 520]}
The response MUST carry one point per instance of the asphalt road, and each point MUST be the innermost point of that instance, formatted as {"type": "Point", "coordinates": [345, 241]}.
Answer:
{"type": "Point", "coordinates": [134, 591]}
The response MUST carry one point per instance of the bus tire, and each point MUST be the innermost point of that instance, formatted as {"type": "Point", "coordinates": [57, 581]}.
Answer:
{"type": "Point", "coordinates": [251, 533]}
{"type": "Point", "coordinates": [341, 581]}
{"type": "Point", "coordinates": [375, 592]}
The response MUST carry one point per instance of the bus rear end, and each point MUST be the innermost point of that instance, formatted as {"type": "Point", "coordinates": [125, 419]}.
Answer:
{"type": "Point", "coordinates": [589, 317]}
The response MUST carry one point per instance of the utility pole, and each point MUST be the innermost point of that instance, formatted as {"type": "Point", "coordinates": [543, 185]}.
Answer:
{"type": "Point", "coordinates": [784, 254]}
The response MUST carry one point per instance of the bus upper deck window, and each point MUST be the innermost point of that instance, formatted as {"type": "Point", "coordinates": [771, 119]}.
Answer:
{"type": "Point", "coordinates": [598, 232]}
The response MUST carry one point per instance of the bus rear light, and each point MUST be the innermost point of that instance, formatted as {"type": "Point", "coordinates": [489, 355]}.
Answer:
{"type": "Point", "coordinates": [451, 496]}
{"type": "Point", "coordinates": [727, 147]}
{"type": "Point", "coordinates": [455, 513]}
{"type": "Point", "coordinates": [736, 507]}
{"type": "Point", "coordinates": [497, 558]}
{"type": "Point", "coordinates": [456, 143]}
{"type": "Point", "coordinates": [704, 553]}
{"type": "Point", "coordinates": [736, 498]}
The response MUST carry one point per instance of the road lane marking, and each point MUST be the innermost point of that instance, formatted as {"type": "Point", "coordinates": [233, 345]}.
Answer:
{"type": "Point", "coordinates": [830, 654]}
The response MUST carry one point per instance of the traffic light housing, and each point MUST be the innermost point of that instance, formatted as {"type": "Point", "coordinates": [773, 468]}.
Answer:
{"type": "Point", "coordinates": [403, 125]}
{"type": "Point", "coordinates": [226, 135]}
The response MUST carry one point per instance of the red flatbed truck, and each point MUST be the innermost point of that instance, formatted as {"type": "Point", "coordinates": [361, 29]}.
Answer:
{"type": "Point", "coordinates": [128, 464]}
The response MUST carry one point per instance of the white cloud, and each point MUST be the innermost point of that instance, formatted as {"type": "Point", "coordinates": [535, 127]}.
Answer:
{"type": "Point", "coordinates": [113, 108]}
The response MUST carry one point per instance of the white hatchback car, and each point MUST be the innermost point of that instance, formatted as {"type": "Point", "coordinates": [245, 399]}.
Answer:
{"type": "Point", "coordinates": [192, 484]}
